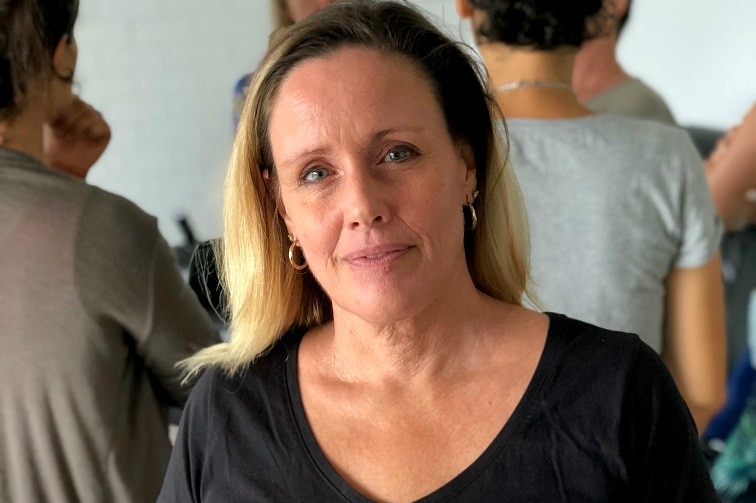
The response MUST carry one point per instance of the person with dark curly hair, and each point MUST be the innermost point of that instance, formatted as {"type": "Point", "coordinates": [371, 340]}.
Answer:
{"type": "Point", "coordinates": [623, 228]}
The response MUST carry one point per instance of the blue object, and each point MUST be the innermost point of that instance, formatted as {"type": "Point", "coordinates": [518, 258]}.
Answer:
{"type": "Point", "coordinates": [739, 386]}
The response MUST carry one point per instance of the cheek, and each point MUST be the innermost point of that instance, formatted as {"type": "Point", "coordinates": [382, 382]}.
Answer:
{"type": "Point", "coordinates": [441, 198]}
{"type": "Point", "coordinates": [433, 213]}
{"type": "Point", "coordinates": [315, 224]}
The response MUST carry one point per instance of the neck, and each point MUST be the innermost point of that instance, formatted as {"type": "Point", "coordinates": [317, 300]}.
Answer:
{"type": "Point", "coordinates": [535, 82]}
{"type": "Point", "coordinates": [441, 339]}
{"type": "Point", "coordinates": [24, 132]}
{"type": "Point", "coordinates": [596, 68]}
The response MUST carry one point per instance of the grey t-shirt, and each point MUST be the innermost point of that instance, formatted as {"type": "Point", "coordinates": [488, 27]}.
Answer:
{"type": "Point", "coordinates": [632, 98]}
{"type": "Point", "coordinates": [614, 205]}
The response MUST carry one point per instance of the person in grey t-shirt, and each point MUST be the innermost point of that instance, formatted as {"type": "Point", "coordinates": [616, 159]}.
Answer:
{"type": "Point", "coordinates": [603, 85]}
{"type": "Point", "coordinates": [623, 229]}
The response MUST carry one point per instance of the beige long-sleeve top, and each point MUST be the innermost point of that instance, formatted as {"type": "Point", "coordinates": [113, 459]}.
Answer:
{"type": "Point", "coordinates": [94, 315]}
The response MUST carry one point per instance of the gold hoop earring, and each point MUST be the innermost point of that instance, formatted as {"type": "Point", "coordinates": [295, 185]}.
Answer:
{"type": "Point", "coordinates": [473, 215]}
{"type": "Point", "coordinates": [294, 265]}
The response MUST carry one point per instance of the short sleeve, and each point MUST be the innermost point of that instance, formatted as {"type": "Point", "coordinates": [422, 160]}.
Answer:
{"type": "Point", "coordinates": [665, 462]}
{"type": "Point", "coordinates": [702, 229]}
{"type": "Point", "coordinates": [184, 474]}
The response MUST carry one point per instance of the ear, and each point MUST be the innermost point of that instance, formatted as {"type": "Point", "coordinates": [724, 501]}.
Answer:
{"type": "Point", "coordinates": [468, 158]}
{"type": "Point", "coordinates": [287, 221]}
{"type": "Point", "coordinates": [64, 57]}
{"type": "Point", "coordinates": [621, 7]}
{"type": "Point", "coordinates": [281, 209]}
{"type": "Point", "coordinates": [464, 9]}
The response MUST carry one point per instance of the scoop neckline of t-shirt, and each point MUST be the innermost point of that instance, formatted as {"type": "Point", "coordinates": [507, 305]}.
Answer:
{"type": "Point", "coordinates": [463, 479]}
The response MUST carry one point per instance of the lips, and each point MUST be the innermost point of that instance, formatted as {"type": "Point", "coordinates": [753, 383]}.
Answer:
{"type": "Point", "coordinates": [376, 255]}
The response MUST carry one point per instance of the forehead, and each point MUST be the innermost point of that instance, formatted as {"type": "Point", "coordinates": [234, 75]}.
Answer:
{"type": "Point", "coordinates": [356, 84]}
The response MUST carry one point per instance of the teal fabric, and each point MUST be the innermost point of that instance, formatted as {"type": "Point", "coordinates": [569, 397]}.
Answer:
{"type": "Point", "coordinates": [734, 471]}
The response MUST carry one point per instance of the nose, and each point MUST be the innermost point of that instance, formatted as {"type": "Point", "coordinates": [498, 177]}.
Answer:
{"type": "Point", "coordinates": [366, 200]}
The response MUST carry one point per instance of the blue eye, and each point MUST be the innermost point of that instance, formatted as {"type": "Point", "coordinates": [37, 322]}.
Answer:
{"type": "Point", "coordinates": [315, 174]}
{"type": "Point", "coordinates": [398, 154]}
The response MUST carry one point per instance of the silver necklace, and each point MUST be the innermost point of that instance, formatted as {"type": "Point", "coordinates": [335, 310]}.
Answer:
{"type": "Point", "coordinates": [532, 83]}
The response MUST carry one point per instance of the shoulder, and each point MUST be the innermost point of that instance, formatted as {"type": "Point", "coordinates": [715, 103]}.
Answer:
{"type": "Point", "coordinates": [649, 145]}
{"type": "Point", "coordinates": [117, 215]}
{"type": "Point", "coordinates": [113, 228]}
{"type": "Point", "coordinates": [571, 335]}
{"type": "Point", "coordinates": [580, 356]}
{"type": "Point", "coordinates": [28, 181]}
{"type": "Point", "coordinates": [616, 388]}
{"type": "Point", "coordinates": [219, 390]}
{"type": "Point", "coordinates": [608, 359]}
{"type": "Point", "coordinates": [240, 408]}
{"type": "Point", "coordinates": [648, 96]}
{"type": "Point", "coordinates": [632, 98]}
{"type": "Point", "coordinates": [613, 377]}
{"type": "Point", "coordinates": [651, 132]}
{"type": "Point", "coordinates": [604, 131]}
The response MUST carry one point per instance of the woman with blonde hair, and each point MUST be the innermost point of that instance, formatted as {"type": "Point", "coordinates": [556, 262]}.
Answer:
{"type": "Point", "coordinates": [375, 258]}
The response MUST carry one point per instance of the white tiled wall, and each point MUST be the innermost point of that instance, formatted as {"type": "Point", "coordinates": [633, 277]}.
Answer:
{"type": "Point", "coordinates": [698, 54]}
{"type": "Point", "coordinates": [163, 71]}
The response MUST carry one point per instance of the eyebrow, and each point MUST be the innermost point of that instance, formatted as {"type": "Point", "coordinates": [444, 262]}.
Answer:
{"type": "Point", "coordinates": [379, 135]}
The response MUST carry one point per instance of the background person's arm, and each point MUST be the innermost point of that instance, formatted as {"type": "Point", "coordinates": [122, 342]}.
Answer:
{"type": "Point", "coordinates": [695, 341]}
{"type": "Point", "coordinates": [129, 276]}
{"type": "Point", "coordinates": [178, 326]}
{"type": "Point", "coordinates": [731, 173]}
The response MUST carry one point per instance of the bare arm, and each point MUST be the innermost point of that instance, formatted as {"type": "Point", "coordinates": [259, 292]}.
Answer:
{"type": "Point", "coordinates": [695, 341]}
{"type": "Point", "coordinates": [731, 173]}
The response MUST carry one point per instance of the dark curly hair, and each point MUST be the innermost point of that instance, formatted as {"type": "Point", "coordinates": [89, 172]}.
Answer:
{"type": "Point", "coordinates": [30, 30]}
{"type": "Point", "coordinates": [541, 24]}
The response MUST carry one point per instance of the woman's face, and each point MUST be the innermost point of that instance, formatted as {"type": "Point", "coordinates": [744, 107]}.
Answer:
{"type": "Point", "coordinates": [300, 9]}
{"type": "Point", "coordinates": [371, 183]}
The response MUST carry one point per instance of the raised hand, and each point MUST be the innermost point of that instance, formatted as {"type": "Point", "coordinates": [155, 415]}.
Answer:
{"type": "Point", "coordinates": [75, 139]}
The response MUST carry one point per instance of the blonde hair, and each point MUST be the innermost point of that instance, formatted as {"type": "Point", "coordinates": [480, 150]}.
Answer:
{"type": "Point", "coordinates": [267, 298]}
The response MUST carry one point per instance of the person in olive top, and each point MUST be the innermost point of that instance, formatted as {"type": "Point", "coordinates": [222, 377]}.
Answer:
{"type": "Point", "coordinates": [94, 313]}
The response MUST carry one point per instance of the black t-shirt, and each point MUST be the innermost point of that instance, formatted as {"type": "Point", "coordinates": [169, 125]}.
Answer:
{"type": "Point", "coordinates": [601, 420]}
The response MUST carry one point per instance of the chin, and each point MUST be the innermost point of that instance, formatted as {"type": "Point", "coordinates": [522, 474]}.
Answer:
{"type": "Point", "coordinates": [384, 308]}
